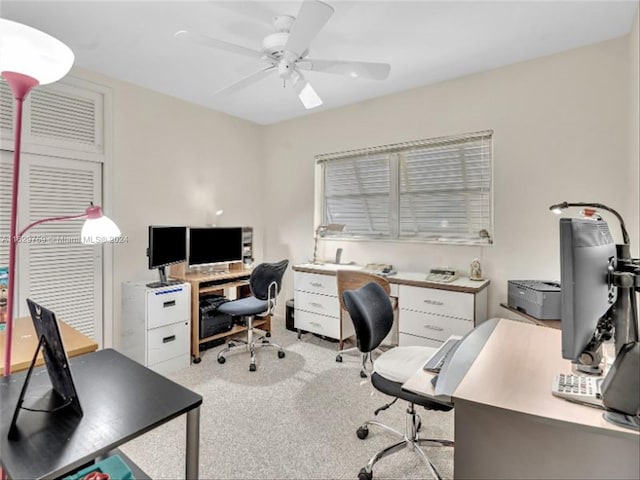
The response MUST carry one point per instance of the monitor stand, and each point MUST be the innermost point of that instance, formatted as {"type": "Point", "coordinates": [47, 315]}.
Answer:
{"type": "Point", "coordinates": [13, 428]}
{"type": "Point", "coordinates": [621, 420]}
{"type": "Point", "coordinates": [163, 280]}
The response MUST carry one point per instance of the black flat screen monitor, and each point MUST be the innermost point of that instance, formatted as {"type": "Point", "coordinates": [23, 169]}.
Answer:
{"type": "Point", "coordinates": [587, 250]}
{"type": "Point", "coordinates": [167, 245]}
{"type": "Point", "coordinates": [208, 246]}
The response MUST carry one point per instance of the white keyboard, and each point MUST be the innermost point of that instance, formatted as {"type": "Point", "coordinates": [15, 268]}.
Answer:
{"type": "Point", "coordinates": [578, 388]}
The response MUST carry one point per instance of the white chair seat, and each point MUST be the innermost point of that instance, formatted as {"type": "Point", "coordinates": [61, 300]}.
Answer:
{"type": "Point", "coordinates": [400, 363]}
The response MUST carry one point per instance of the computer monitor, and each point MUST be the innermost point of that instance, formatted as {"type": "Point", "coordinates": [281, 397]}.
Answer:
{"type": "Point", "coordinates": [587, 260]}
{"type": "Point", "coordinates": [167, 245]}
{"type": "Point", "coordinates": [214, 245]}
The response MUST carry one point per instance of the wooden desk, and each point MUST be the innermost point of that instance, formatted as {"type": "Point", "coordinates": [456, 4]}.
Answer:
{"type": "Point", "coordinates": [25, 343]}
{"type": "Point", "coordinates": [121, 400]}
{"type": "Point", "coordinates": [236, 279]}
{"type": "Point", "coordinates": [509, 425]}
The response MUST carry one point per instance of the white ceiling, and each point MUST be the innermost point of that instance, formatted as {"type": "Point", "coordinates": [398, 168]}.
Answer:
{"type": "Point", "coordinates": [424, 41]}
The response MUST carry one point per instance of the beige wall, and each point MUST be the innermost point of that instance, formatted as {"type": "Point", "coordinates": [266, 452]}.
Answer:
{"type": "Point", "coordinates": [175, 163]}
{"type": "Point", "coordinates": [633, 221]}
{"type": "Point", "coordinates": [561, 131]}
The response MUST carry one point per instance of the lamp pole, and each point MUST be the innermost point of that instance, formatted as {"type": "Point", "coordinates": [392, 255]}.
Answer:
{"type": "Point", "coordinates": [20, 85]}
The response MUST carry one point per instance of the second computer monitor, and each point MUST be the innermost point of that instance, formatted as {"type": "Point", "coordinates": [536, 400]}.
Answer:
{"type": "Point", "coordinates": [214, 245]}
{"type": "Point", "coordinates": [587, 253]}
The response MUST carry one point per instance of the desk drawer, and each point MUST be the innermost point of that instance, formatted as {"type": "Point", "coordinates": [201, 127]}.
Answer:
{"type": "Point", "coordinates": [314, 323]}
{"type": "Point", "coordinates": [320, 304]}
{"type": "Point", "coordinates": [168, 305]}
{"type": "Point", "coordinates": [432, 326]}
{"type": "Point", "coordinates": [314, 283]}
{"type": "Point", "coordinates": [442, 302]}
{"type": "Point", "coordinates": [167, 342]}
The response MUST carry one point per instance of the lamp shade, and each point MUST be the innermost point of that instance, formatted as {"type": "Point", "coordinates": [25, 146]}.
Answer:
{"type": "Point", "coordinates": [98, 228]}
{"type": "Point", "coordinates": [31, 52]}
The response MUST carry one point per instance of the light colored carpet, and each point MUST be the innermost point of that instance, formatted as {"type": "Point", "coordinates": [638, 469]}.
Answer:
{"type": "Point", "coordinates": [294, 418]}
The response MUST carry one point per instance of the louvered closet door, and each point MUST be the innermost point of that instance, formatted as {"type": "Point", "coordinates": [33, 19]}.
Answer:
{"type": "Point", "coordinates": [56, 270]}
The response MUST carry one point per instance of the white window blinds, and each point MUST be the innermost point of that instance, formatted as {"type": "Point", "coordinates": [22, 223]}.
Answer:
{"type": "Point", "coordinates": [433, 190]}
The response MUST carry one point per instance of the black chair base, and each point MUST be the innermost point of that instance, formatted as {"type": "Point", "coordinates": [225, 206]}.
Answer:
{"type": "Point", "coordinates": [408, 439]}
{"type": "Point", "coordinates": [249, 345]}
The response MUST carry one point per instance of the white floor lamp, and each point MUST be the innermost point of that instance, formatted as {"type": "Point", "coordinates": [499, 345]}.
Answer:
{"type": "Point", "coordinates": [29, 57]}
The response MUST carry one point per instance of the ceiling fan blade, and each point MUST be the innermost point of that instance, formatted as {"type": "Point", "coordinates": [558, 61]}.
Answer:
{"type": "Point", "coordinates": [307, 95]}
{"type": "Point", "coordinates": [313, 15]}
{"type": "Point", "coordinates": [246, 81]}
{"type": "Point", "coordinates": [219, 44]}
{"type": "Point", "coordinates": [374, 71]}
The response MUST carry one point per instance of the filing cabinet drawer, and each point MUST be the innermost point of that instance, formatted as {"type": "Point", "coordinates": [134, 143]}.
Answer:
{"type": "Point", "coordinates": [166, 305]}
{"type": "Point", "coordinates": [442, 302]}
{"type": "Point", "coordinates": [320, 324]}
{"type": "Point", "coordinates": [314, 283]}
{"type": "Point", "coordinates": [432, 326]}
{"type": "Point", "coordinates": [407, 340]}
{"type": "Point", "coordinates": [167, 342]}
{"type": "Point", "coordinates": [320, 304]}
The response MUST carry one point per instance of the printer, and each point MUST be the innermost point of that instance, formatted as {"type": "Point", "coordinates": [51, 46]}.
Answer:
{"type": "Point", "coordinates": [538, 298]}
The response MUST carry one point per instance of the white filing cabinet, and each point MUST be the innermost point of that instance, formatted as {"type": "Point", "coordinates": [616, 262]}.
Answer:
{"type": "Point", "coordinates": [317, 306]}
{"type": "Point", "coordinates": [428, 316]}
{"type": "Point", "coordinates": [156, 325]}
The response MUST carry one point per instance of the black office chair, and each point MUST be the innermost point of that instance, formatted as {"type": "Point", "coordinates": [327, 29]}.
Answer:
{"type": "Point", "coordinates": [265, 283]}
{"type": "Point", "coordinates": [372, 315]}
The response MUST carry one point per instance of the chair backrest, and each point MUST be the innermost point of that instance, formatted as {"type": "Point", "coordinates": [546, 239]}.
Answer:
{"type": "Point", "coordinates": [372, 314]}
{"type": "Point", "coordinates": [264, 275]}
{"type": "Point", "coordinates": [353, 279]}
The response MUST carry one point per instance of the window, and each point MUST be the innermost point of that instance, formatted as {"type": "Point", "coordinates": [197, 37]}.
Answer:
{"type": "Point", "coordinates": [431, 190]}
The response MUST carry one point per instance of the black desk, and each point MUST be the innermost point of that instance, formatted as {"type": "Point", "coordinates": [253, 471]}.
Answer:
{"type": "Point", "coordinates": [121, 400]}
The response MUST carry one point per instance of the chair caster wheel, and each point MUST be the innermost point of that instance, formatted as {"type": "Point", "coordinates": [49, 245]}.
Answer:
{"type": "Point", "coordinates": [197, 360]}
{"type": "Point", "coordinates": [364, 475]}
{"type": "Point", "coordinates": [339, 358]}
{"type": "Point", "coordinates": [265, 341]}
{"type": "Point", "coordinates": [268, 334]}
{"type": "Point", "coordinates": [363, 374]}
{"type": "Point", "coordinates": [221, 359]}
{"type": "Point", "coordinates": [280, 354]}
{"type": "Point", "coordinates": [231, 345]}
{"type": "Point", "coordinates": [252, 368]}
{"type": "Point", "coordinates": [362, 433]}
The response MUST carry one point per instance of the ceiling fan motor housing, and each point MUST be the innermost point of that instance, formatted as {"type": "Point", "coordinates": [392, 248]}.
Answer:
{"type": "Point", "coordinates": [273, 45]}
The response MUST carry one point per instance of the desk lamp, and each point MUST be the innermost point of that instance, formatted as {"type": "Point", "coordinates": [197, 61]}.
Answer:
{"type": "Point", "coordinates": [28, 58]}
{"type": "Point", "coordinates": [320, 232]}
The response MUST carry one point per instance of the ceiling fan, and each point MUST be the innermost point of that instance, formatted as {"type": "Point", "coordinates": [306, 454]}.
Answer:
{"type": "Point", "coordinates": [286, 53]}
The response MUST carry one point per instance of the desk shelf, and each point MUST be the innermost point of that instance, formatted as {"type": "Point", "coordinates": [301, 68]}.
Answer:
{"type": "Point", "coordinates": [234, 281]}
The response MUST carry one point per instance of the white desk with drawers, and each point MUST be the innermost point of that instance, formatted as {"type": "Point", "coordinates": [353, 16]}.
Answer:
{"type": "Point", "coordinates": [429, 312]}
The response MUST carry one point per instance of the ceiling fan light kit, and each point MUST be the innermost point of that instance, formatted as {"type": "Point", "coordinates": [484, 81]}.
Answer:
{"type": "Point", "coordinates": [286, 50]}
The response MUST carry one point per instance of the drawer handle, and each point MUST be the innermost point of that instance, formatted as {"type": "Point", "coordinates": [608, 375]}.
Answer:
{"type": "Point", "coordinates": [433, 327]}
{"type": "Point", "coordinates": [316, 284]}
{"type": "Point", "coordinates": [315, 304]}
{"type": "Point", "coordinates": [433, 302]}
{"type": "Point", "coordinates": [316, 324]}
{"type": "Point", "coordinates": [168, 339]}
{"type": "Point", "coordinates": [171, 303]}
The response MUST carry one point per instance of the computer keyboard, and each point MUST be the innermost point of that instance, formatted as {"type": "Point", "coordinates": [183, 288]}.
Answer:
{"type": "Point", "coordinates": [435, 362]}
{"type": "Point", "coordinates": [578, 388]}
